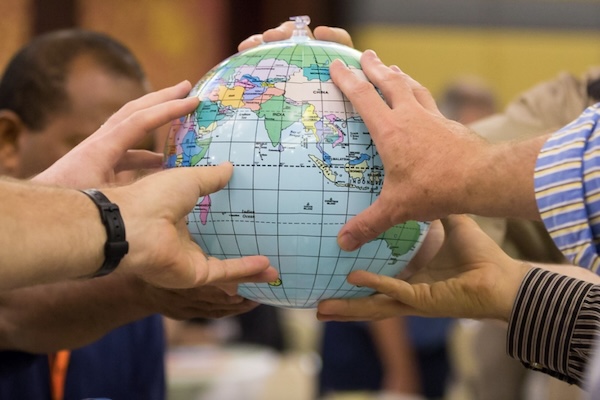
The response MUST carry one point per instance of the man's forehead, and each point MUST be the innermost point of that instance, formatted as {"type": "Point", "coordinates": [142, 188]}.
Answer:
{"type": "Point", "coordinates": [95, 93]}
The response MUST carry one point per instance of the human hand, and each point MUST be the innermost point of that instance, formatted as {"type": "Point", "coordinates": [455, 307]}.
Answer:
{"type": "Point", "coordinates": [434, 167]}
{"type": "Point", "coordinates": [96, 160]}
{"type": "Point", "coordinates": [469, 277]}
{"type": "Point", "coordinates": [200, 302]}
{"type": "Point", "coordinates": [285, 30]}
{"type": "Point", "coordinates": [161, 250]}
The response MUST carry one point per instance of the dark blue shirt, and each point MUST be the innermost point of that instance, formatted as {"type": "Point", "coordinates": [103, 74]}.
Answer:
{"type": "Point", "coordinates": [126, 364]}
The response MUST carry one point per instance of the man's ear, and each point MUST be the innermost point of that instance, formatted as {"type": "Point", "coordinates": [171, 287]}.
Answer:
{"type": "Point", "coordinates": [11, 127]}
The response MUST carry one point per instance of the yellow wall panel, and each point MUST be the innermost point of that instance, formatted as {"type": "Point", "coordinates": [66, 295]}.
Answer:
{"type": "Point", "coordinates": [510, 60]}
{"type": "Point", "coordinates": [173, 40]}
{"type": "Point", "coordinates": [14, 29]}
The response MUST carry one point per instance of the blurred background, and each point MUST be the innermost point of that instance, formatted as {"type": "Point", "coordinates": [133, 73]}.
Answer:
{"type": "Point", "coordinates": [512, 44]}
{"type": "Point", "coordinates": [507, 45]}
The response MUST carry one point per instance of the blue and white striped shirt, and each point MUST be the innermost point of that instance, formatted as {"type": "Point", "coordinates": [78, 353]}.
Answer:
{"type": "Point", "coordinates": [567, 184]}
{"type": "Point", "coordinates": [556, 319]}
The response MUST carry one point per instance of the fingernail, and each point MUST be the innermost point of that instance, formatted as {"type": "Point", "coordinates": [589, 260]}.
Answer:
{"type": "Point", "coordinates": [373, 54]}
{"type": "Point", "coordinates": [395, 68]}
{"type": "Point", "coordinates": [348, 242]}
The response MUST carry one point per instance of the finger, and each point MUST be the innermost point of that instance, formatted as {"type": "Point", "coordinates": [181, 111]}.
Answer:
{"type": "Point", "coordinates": [431, 245]}
{"type": "Point", "coordinates": [187, 185]}
{"type": "Point", "coordinates": [209, 271]}
{"type": "Point", "coordinates": [209, 179]}
{"type": "Point", "coordinates": [250, 42]}
{"type": "Point", "coordinates": [229, 288]}
{"type": "Point", "coordinates": [207, 294]}
{"type": "Point", "coordinates": [330, 34]}
{"type": "Point", "coordinates": [283, 32]}
{"type": "Point", "coordinates": [262, 277]}
{"type": "Point", "coordinates": [224, 300]}
{"type": "Point", "coordinates": [139, 159]}
{"type": "Point", "coordinates": [374, 307]}
{"type": "Point", "coordinates": [130, 131]}
{"type": "Point", "coordinates": [413, 302]}
{"type": "Point", "coordinates": [393, 83]}
{"type": "Point", "coordinates": [362, 94]}
{"type": "Point", "coordinates": [234, 270]}
{"type": "Point", "coordinates": [421, 93]}
{"type": "Point", "coordinates": [455, 221]}
{"type": "Point", "coordinates": [365, 226]}
{"type": "Point", "coordinates": [397, 87]}
{"type": "Point", "coordinates": [211, 310]}
{"type": "Point", "coordinates": [382, 284]}
{"type": "Point", "coordinates": [174, 92]}
{"type": "Point", "coordinates": [242, 308]}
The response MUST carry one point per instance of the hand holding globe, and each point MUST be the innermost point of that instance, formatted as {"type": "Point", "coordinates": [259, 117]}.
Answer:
{"type": "Point", "coordinates": [304, 165]}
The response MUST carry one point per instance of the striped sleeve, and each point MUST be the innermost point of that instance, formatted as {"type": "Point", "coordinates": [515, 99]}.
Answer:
{"type": "Point", "coordinates": [567, 185]}
{"type": "Point", "coordinates": [554, 324]}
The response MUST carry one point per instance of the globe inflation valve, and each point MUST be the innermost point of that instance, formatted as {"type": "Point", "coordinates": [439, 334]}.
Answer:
{"type": "Point", "coordinates": [301, 22]}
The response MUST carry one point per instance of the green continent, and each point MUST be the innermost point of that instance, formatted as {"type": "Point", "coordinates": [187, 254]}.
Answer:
{"type": "Point", "coordinates": [307, 56]}
{"type": "Point", "coordinates": [207, 113]}
{"type": "Point", "coordinates": [402, 238]}
{"type": "Point", "coordinates": [300, 55]}
{"type": "Point", "coordinates": [278, 115]}
{"type": "Point", "coordinates": [203, 144]}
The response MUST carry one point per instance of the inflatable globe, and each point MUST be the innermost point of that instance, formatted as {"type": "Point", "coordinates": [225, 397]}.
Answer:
{"type": "Point", "coordinates": [304, 164]}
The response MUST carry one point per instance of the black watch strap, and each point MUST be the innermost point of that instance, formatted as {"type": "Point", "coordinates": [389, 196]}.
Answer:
{"type": "Point", "coordinates": [116, 244]}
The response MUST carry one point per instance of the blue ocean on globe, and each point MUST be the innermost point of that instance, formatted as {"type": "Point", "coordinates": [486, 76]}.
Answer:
{"type": "Point", "coordinates": [304, 164]}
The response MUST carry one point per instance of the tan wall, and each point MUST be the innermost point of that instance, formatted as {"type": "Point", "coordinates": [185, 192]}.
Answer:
{"type": "Point", "coordinates": [183, 39]}
{"type": "Point", "coordinates": [14, 29]}
{"type": "Point", "coordinates": [173, 40]}
{"type": "Point", "coordinates": [511, 60]}
{"type": "Point", "coordinates": [173, 43]}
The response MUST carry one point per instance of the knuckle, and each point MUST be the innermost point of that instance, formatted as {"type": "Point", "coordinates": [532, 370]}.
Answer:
{"type": "Point", "coordinates": [136, 119]}
{"type": "Point", "coordinates": [362, 88]}
{"type": "Point", "coordinates": [421, 90]}
{"type": "Point", "coordinates": [366, 230]}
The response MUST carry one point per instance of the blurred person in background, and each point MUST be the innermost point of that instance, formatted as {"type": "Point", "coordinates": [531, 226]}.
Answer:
{"type": "Point", "coordinates": [466, 99]}
{"type": "Point", "coordinates": [545, 107]}
{"type": "Point", "coordinates": [402, 356]}
{"type": "Point", "coordinates": [55, 92]}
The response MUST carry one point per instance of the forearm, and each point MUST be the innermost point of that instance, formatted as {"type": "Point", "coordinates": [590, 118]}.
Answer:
{"type": "Point", "coordinates": [500, 181]}
{"type": "Point", "coordinates": [553, 324]}
{"type": "Point", "coordinates": [50, 317]}
{"type": "Point", "coordinates": [47, 234]}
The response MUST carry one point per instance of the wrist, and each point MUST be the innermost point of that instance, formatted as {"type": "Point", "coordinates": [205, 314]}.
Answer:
{"type": "Point", "coordinates": [116, 245]}
{"type": "Point", "coordinates": [516, 284]}
{"type": "Point", "coordinates": [136, 293]}
{"type": "Point", "coordinates": [500, 180]}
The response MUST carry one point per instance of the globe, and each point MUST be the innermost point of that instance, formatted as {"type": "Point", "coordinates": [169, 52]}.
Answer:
{"type": "Point", "coordinates": [304, 164]}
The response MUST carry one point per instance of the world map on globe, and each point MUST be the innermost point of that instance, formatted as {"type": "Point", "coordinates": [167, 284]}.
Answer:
{"type": "Point", "coordinates": [304, 164]}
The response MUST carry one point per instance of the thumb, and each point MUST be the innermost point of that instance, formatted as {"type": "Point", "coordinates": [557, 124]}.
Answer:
{"type": "Point", "coordinates": [200, 180]}
{"type": "Point", "coordinates": [212, 179]}
{"type": "Point", "coordinates": [181, 187]}
{"type": "Point", "coordinates": [364, 227]}
{"type": "Point", "coordinates": [331, 34]}
{"type": "Point", "coordinates": [457, 221]}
